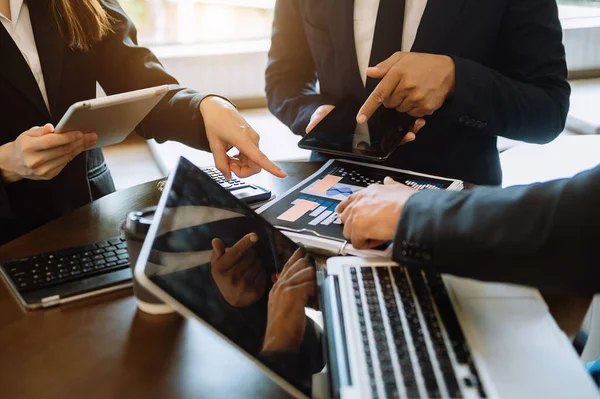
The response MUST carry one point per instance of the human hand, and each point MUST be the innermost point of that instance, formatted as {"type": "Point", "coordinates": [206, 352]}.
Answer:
{"type": "Point", "coordinates": [325, 110]}
{"type": "Point", "coordinates": [225, 127]}
{"type": "Point", "coordinates": [286, 320]}
{"type": "Point", "coordinates": [317, 116]}
{"type": "Point", "coordinates": [412, 134]}
{"type": "Point", "coordinates": [41, 154]}
{"type": "Point", "coordinates": [371, 216]}
{"type": "Point", "coordinates": [414, 83]}
{"type": "Point", "coordinates": [238, 272]}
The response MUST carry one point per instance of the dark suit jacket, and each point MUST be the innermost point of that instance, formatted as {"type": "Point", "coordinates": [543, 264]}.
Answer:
{"type": "Point", "coordinates": [119, 65]}
{"type": "Point", "coordinates": [511, 76]}
{"type": "Point", "coordinates": [544, 235]}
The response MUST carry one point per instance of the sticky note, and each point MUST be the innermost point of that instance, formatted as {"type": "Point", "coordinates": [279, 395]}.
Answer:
{"type": "Point", "coordinates": [296, 211]}
{"type": "Point", "coordinates": [325, 184]}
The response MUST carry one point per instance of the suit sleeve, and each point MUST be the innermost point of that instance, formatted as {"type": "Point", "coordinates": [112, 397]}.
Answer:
{"type": "Point", "coordinates": [291, 78]}
{"type": "Point", "coordinates": [544, 235]}
{"type": "Point", "coordinates": [125, 66]}
{"type": "Point", "coordinates": [527, 97]}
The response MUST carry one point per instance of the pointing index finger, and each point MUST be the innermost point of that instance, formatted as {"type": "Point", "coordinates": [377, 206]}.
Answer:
{"type": "Point", "coordinates": [383, 90]}
{"type": "Point", "coordinates": [249, 149]}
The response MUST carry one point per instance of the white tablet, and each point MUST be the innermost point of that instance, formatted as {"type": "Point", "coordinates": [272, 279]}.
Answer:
{"type": "Point", "coordinates": [112, 118]}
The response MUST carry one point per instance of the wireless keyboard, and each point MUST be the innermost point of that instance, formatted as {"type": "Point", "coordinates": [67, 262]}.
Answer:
{"type": "Point", "coordinates": [69, 272]}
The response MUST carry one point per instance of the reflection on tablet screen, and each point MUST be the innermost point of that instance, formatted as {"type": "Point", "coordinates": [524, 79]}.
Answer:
{"type": "Point", "coordinates": [338, 133]}
{"type": "Point", "coordinates": [205, 258]}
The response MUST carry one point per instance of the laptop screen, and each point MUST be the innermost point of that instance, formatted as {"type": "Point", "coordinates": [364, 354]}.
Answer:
{"type": "Point", "coordinates": [204, 255]}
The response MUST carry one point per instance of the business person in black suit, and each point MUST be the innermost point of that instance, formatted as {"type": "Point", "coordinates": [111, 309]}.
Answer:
{"type": "Point", "coordinates": [543, 235]}
{"type": "Point", "coordinates": [467, 71]}
{"type": "Point", "coordinates": [52, 53]}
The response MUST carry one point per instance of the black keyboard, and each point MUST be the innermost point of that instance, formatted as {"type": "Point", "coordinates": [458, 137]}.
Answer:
{"type": "Point", "coordinates": [54, 268]}
{"type": "Point", "coordinates": [410, 300]}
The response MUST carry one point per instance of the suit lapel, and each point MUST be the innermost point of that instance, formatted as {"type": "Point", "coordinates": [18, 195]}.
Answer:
{"type": "Point", "coordinates": [341, 21]}
{"type": "Point", "coordinates": [16, 70]}
{"type": "Point", "coordinates": [51, 47]}
{"type": "Point", "coordinates": [439, 17]}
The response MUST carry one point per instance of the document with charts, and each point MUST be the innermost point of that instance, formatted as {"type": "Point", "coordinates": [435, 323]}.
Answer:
{"type": "Point", "coordinates": [306, 212]}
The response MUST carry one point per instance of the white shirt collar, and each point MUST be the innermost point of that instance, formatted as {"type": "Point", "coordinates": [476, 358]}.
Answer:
{"type": "Point", "coordinates": [15, 9]}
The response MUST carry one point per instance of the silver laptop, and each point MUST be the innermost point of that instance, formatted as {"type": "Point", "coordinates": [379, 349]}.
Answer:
{"type": "Point", "coordinates": [389, 331]}
{"type": "Point", "coordinates": [394, 331]}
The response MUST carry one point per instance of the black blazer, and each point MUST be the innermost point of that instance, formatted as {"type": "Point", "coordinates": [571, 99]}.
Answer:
{"type": "Point", "coordinates": [119, 65]}
{"type": "Point", "coordinates": [544, 235]}
{"type": "Point", "coordinates": [511, 76]}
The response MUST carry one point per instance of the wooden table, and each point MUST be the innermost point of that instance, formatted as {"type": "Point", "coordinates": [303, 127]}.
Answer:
{"type": "Point", "coordinates": [103, 347]}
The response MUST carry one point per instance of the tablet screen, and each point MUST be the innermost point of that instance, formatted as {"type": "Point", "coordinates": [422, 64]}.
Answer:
{"type": "Point", "coordinates": [198, 228]}
{"type": "Point", "coordinates": [338, 134]}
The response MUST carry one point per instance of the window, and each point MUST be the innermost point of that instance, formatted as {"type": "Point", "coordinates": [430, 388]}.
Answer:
{"type": "Point", "coordinates": [578, 9]}
{"type": "Point", "coordinates": [162, 22]}
{"type": "Point", "coordinates": [580, 2]}
{"type": "Point", "coordinates": [580, 21]}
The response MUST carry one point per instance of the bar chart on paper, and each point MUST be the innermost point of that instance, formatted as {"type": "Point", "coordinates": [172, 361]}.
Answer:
{"type": "Point", "coordinates": [311, 206]}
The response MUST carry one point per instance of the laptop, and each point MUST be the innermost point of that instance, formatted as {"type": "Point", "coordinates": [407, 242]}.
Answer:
{"type": "Point", "coordinates": [388, 330]}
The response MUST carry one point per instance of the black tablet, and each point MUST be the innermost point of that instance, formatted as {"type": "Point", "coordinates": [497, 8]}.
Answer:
{"type": "Point", "coordinates": [337, 133]}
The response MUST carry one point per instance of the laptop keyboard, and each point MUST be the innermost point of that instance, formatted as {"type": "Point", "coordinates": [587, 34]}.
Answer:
{"type": "Point", "coordinates": [408, 354]}
{"type": "Point", "coordinates": [75, 263]}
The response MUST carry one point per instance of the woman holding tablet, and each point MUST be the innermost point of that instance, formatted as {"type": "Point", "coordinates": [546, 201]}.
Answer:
{"type": "Point", "coordinates": [52, 54]}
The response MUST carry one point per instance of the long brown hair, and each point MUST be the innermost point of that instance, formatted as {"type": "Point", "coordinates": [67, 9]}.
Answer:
{"type": "Point", "coordinates": [81, 22]}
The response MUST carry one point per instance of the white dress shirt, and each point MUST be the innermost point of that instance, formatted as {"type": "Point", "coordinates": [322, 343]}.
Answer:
{"type": "Point", "coordinates": [365, 17]}
{"type": "Point", "coordinates": [20, 30]}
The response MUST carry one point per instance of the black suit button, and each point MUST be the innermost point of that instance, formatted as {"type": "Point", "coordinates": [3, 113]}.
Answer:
{"type": "Point", "coordinates": [463, 118]}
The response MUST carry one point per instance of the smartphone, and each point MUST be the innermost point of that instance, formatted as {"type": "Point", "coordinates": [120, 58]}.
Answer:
{"type": "Point", "coordinates": [337, 133]}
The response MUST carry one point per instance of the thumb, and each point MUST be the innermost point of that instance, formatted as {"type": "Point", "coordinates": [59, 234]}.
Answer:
{"type": "Point", "coordinates": [41, 131]}
{"type": "Point", "coordinates": [389, 181]}
{"type": "Point", "coordinates": [314, 121]}
{"type": "Point", "coordinates": [318, 116]}
{"type": "Point", "coordinates": [379, 70]}
{"type": "Point", "coordinates": [218, 249]}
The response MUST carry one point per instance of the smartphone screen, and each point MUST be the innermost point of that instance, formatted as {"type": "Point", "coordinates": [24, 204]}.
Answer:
{"type": "Point", "coordinates": [376, 140]}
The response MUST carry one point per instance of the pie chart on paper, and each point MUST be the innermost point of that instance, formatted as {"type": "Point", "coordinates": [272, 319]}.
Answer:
{"type": "Point", "coordinates": [339, 190]}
